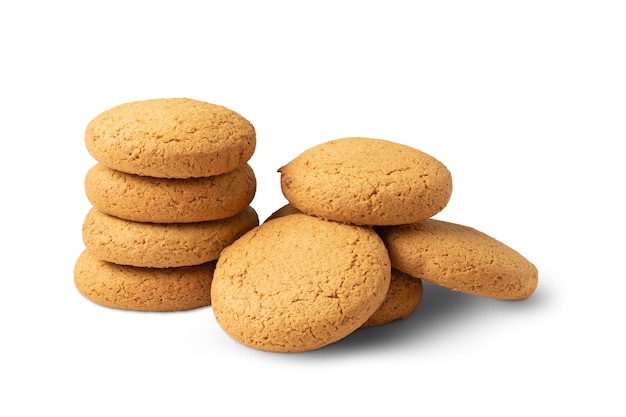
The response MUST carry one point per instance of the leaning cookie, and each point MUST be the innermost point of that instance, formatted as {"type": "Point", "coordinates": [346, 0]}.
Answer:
{"type": "Point", "coordinates": [299, 283]}
{"type": "Point", "coordinates": [143, 289]}
{"type": "Point", "coordinates": [160, 200]}
{"type": "Point", "coordinates": [404, 295]}
{"type": "Point", "coordinates": [460, 258]}
{"type": "Point", "coordinates": [163, 245]}
{"type": "Point", "coordinates": [366, 181]}
{"type": "Point", "coordinates": [171, 138]}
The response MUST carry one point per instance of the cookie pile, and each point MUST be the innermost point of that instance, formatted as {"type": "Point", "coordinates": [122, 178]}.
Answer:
{"type": "Point", "coordinates": [171, 188]}
{"type": "Point", "coordinates": [171, 228]}
{"type": "Point", "coordinates": [351, 248]}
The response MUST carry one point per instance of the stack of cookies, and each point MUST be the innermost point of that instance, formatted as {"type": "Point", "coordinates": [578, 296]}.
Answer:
{"type": "Point", "coordinates": [170, 190]}
{"type": "Point", "coordinates": [351, 248]}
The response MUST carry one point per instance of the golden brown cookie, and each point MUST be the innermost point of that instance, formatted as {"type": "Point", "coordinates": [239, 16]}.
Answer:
{"type": "Point", "coordinates": [143, 289]}
{"type": "Point", "coordinates": [366, 181]}
{"type": "Point", "coordinates": [404, 295]}
{"type": "Point", "coordinates": [460, 258]}
{"type": "Point", "coordinates": [162, 245]}
{"type": "Point", "coordinates": [171, 138]}
{"type": "Point", "coordinates": [298, 283]}
{"type": "Point", "coordinates": [160, 200]}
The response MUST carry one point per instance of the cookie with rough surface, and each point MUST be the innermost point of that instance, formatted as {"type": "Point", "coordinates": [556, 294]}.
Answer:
{"type": "Point", "coordinates": [162, 245]}
{"type": "Point", "coordinates": [366, 181]}
{"type": "Point", "coordinates": [164, 200]}
{"type": "Point", "coordinates": [404, 295]}
{"type": "Point", "coordinates": [460, 258]}
{"type": "Point", "coordinates": [171, 138]}
{"type": "Point", "coordinates": [299, 283]}
{"type": "Point", "coordinates": [143, 289]}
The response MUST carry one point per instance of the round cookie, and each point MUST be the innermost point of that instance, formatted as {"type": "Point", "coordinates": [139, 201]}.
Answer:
{"type": "Point", "coordinates": [366, 181]}
{"type": "Point", "coordinates": [171, 138]}
{"type": "Point", "coordinates": [160, 200]}
{"type": "Point", "coordinates": [163, 245]}
{"type": "Point", "coordinates": [404, 295]}
{"type": "Point", "coordinates": [460, 258]}
{"type": "Point", "coordinates": [143, 289]}
{"type": "Point", "coordinates": [298, 283]}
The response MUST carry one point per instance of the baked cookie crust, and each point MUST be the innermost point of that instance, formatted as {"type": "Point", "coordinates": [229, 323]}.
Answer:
{"type": "Point", "coordinates": [366, 181]}
{"type": "Point", "coordinates": [171, 138]}
{"type": "Point", "coordinates": [298, 283]}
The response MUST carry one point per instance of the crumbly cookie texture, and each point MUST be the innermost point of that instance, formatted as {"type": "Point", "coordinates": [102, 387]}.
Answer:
{"type": "Point", "coordinates": [143, 289]}
{"type": "Point", "coordinates": [160, 200]}
{"type": "Point", "coordinates": [460, 258]}
{"type": "Point", "coordinates": [366, 181]}
{"type": "Point", "coordinates": [299, 283]}
{"type": "Point", "coordinates": [164, 245]}
{"type": "Point", "coordinates": [171, 138]}
{"type": "Point", "coordinates": [404, 295]}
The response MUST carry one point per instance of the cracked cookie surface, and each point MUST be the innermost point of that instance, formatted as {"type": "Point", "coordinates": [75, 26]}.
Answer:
{"type": "Point", "coordinates": [143, 289]}
{"type": "Point", "coordinates": [164, 245]}
{"type": "Point", "coordinates": [366, 181]}
{"type": "Point", "coordinates": [404, 294]}
{"type": "Point", "coordinates": [460, 258]}
{"type": "Point", "coordinates": [171, 138]}
{"type": "Point", "coordinates": [298, 283]}
{"type": "Point", "coordinates": [164, 200]}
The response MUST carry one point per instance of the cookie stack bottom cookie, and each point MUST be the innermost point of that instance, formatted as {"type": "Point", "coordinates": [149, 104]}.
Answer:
{"type": "Point", "coordinates": [143, 289]}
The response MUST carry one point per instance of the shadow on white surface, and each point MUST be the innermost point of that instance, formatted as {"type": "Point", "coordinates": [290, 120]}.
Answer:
{"type": "Point", "coordinates": [441, 314]}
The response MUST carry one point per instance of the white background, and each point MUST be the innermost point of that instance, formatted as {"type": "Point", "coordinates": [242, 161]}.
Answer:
{"type": "Point", "coordinates": [524, 102]}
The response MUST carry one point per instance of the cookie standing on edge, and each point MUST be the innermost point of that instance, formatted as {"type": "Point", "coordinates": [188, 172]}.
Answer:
{"type": "Point", "coordinates": [460, 258]}
{"type": "Point", "coordinates": [366, 181]}
{"type": "Point", "coordinates": [143, 289]}
{"type": "Point", "coordinates": [162, 245]}
{"type": "Point", "coordinates": [171, 138]}
{"type": "Point", "coordinates": [404, 294]}
{"type": "Point", "coordinates": [166, 200]}
{"type": "Point", "coordinates": [299, 283]}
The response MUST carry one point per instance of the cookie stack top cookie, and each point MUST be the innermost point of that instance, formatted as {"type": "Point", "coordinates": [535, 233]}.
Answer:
{"type": "Point", "coordinates": [366, 181]}
{"type": "Point", "coordinates": [171, 138]}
